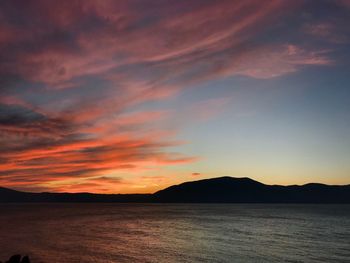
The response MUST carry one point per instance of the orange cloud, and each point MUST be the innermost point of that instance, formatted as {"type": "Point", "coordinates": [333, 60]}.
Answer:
{"type": "Point", "coordinates": [74, 72]}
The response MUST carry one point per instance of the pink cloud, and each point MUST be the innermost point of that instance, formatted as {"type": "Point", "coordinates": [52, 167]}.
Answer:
{"type": "Point", "coordinates": [276, 61]}
{"type": "Point", "coordinates": [207, 29]}
{"type": "Point", "coordinates": [84, 66]}
{"type": "Point", "coordinates": [330, 31]}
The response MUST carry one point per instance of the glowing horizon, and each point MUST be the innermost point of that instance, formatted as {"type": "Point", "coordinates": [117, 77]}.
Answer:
{"type": "Point", "coordinates": [134, 96]}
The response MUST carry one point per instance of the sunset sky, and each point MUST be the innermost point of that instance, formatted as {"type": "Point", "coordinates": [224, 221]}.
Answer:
{"type": "Point", "coordinates": [134, 96]}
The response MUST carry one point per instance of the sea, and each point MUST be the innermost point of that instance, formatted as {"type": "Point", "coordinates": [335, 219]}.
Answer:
{"type": "Point", "coordinates": [65, 233]}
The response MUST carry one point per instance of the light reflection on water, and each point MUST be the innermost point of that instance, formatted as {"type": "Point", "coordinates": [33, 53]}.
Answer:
{"type": "Point", "coordinates": [176, 232]}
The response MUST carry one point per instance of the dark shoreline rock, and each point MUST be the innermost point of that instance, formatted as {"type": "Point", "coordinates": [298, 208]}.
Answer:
{"type": "Point", "coordinates": [18, 259]}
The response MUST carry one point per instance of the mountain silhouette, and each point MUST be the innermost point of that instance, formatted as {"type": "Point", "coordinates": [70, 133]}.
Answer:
{"type": "Point", "coordinates": [9, 195]}
{"type": "Point", "coordinates": [215, 190]}
{"type": "Point", "coordinates": [246, 190]}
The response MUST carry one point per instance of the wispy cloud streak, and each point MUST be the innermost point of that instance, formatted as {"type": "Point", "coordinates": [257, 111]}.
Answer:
{"type": "Point", "coordinates": [72, 73]}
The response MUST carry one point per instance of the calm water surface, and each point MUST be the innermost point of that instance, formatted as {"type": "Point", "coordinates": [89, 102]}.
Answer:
{"type": "Point", "coordinates": [176, 232]}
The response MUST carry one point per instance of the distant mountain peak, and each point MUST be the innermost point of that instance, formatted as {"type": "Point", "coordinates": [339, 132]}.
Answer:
{"type": "Point", "coordinates": [228, 189]}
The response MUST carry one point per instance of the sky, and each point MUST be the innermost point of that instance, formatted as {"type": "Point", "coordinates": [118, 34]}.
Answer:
{"type": "Point", "coordinates": [134, 96]}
